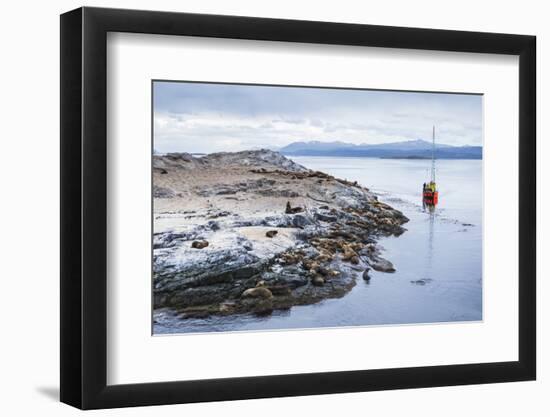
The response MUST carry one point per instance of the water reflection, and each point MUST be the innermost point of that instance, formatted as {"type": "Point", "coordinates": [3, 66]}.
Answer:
{"type": "Point", "coordinates": [429, 208]}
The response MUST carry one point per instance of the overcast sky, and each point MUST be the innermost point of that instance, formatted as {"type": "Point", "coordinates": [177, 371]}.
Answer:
{"type": "Point", "coordinates": [204, 118]}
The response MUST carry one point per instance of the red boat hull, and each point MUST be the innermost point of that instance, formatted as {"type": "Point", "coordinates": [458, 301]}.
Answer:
{"type": "Point", "coordinates": [431, 197]}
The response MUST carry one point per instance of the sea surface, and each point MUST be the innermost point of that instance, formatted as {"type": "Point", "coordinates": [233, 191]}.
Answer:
{"type": "Point", "coordinates": [438, 260]}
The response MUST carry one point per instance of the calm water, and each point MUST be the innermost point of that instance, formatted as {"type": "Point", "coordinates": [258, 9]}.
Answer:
{"type": "Point", "coordinates": [442, 250]}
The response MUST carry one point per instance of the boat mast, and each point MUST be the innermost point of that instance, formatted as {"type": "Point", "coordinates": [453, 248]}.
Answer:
{"type": "Point", "coordinates": [433, 154]}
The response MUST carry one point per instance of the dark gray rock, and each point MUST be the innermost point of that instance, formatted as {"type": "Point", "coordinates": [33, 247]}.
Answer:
{"type": "Point", "coordinates": [163, 192]}
{"type": "Point", "coordinates": [299, 220]}
{"type": "Point", "coordinates": [325, 217]}
{"type": "Point", "coordinates": [423, 281]}
{"type": "Point", "coordinates": [381, 265]}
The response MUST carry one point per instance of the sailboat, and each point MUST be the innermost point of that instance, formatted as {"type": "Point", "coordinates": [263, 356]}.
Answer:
{"type": "Point", "coordinates": [430, 194]}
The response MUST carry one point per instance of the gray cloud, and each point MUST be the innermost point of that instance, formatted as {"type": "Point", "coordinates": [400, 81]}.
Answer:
{"type": "Point", "coordinates": [200, 117]}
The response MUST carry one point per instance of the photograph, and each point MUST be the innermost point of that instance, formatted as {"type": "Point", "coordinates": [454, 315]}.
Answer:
{"type": "Point", "coordinates": [298, 207]}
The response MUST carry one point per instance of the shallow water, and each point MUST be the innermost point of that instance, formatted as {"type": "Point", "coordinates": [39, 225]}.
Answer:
{"type": "Point", "coordinates": [438, 259]}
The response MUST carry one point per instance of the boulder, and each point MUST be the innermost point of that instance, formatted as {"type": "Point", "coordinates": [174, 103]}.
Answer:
{"type": "Point", "coordinates": [325, 217]}
{"type": "Point", "coordinates": [260, 306]}
{"type": "Point", "coordinates": [382, 265]}
{"type": "Point", "coordinates": [301, 221]}
{"type": "Point", "coordinates": [163, 192]}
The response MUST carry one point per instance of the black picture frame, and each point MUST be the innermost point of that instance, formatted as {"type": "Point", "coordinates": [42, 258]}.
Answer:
{"type": "Point", "coordinates": [84, 207]}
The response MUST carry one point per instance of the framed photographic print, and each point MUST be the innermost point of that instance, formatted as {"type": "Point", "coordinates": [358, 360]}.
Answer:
{"type": "Point", "coordinates": [258, 207]}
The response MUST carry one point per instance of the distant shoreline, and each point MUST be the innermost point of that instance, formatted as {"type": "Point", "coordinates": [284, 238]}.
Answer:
{"type": "Point", "coordinates": [413, 157]}
{"type": "Point", "coordinates": [412, 149]}
{"type": "Point", "coordinates": [290, 155]}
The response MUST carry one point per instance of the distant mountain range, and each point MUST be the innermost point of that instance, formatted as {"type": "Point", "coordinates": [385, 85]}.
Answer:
{"type": "Point", "coordinates": [412, 149]}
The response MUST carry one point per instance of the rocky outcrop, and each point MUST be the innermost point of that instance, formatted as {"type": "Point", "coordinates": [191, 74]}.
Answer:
{"type": "Point", "coordinates": [261, 159]}
{"type": "Point", "coordinates": [252, 232]}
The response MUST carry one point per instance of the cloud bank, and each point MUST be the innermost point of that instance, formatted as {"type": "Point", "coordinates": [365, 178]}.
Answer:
{"type": "Point", "coordinates": [204, 118]}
